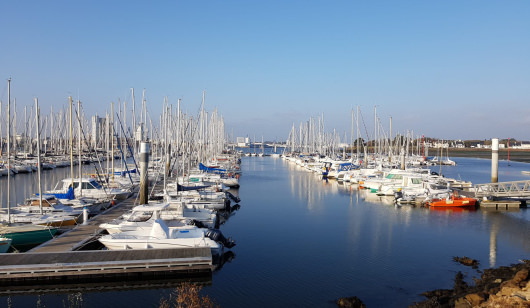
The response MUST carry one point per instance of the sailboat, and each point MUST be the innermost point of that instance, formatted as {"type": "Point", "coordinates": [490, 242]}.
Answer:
{"type": "Point", "coordinates": [21, 234]}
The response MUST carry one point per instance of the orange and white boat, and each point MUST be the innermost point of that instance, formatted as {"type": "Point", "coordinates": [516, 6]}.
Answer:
{"type": "Point", "coordinates": [454, 200]}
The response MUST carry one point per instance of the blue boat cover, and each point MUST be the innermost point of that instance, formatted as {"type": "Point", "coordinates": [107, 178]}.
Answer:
{"type": "Point", "coordinates": [69, 194]}
{"type": "Point", "coordinates": [210, 169]}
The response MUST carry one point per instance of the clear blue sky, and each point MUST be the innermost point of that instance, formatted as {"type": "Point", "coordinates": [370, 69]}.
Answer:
{"type": "Point", "coordinates": [447, 69]}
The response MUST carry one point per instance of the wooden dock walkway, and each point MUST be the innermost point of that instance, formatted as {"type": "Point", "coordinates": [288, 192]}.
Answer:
{"type": "Point", "coordinates": [26, 268]}
{"type": "Point", "coordinates": [82, 234]}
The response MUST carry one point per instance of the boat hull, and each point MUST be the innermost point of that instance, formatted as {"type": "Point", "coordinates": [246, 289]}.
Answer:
{"type": "Point", "coordinates": [5, 243]}
{"type": "Point", "coordinates": [454, 202]}
{"type": "Point", "coordinates": [125, 244]}
{"type": "Point", "coordinates": [28, 238]}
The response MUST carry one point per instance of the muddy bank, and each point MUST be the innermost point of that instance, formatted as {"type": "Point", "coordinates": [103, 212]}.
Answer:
{"type": "Point", "coordinates": [515, 154]}
{"type": "Point", "coordinates": [505, 286]}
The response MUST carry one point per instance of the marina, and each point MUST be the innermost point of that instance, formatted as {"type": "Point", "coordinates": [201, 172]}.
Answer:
{"type": "Point", "coordinates": [326, 208]}
{"type": "Point", "coordinates": [264, 154]}
{"type": "Point", "coordinates": [362, 213]}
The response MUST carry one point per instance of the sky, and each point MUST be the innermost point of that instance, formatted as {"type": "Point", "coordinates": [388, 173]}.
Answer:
{"type": "Point", "coordinates": [444, 69]}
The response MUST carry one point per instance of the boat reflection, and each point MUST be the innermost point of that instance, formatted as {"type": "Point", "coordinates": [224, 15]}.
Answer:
{"type": "Point", "coordinates": [102, 286]}
{"type": "Point", "coordinates": [374, 198]}
{"type": "Point", "coordinates": [453, 209]}
{"type": "Point", "coordinates": [109, 284]}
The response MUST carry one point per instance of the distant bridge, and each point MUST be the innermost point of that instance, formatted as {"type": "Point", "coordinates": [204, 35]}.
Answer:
{"type": "Point", "coordinates": [515, 189]}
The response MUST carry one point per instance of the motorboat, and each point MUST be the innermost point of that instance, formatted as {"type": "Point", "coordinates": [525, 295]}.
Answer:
{"type": "Point", "coordinates": [161, 236]}
{"type": "Point", "coordinates": [453, 200]}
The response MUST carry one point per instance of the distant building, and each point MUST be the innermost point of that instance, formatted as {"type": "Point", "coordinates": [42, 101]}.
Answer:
{"type": "Point", "coordinates": [459, 144]}
{"type": "Point", "coordinates": [98, 130]}
{"type": "Point", "coordinates": [243, 141]}
{"type": "Point", "coordinates": [443, 145]}
{"type": "Point", "coordinates": [522, 146]}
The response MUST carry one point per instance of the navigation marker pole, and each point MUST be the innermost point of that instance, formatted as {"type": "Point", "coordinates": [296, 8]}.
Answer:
{"type": "Point", "coordinates": [494, 160]}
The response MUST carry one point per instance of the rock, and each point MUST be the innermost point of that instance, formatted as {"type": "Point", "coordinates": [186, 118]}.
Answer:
{"type": "Point", "coordinates": [505, 286]}
{"type": "Point", "coordinates": [460, 285]}
{"type": "Point", "coordinates": [505, 301]}
{"type": "Point", "coordinates": [520, 276]}
{"type": "Point", "coordinates": [462, 303]}
{"type": "Point", "coordinates": [508, 291]}
{"type": "Point", "coordinates": [523, 294]}
{"type": "Point", "coordinates": [350, 302]}
{"type": "Point", "coordinates": [475, 299]}
{"type": "Point", "coordinates": [510, 284]}
{"type": "Point", "coordinates": [470, 300]}
{"type": "Point", "coordinates": [466, 261]}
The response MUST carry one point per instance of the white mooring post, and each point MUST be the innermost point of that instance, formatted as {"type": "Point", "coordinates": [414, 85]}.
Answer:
{"type": "Point", "coordinates": [85, 216]}
{"type": "Point", "coordinates": [494, 160]}
{"type": "Point", "coordinates": [144, 159]}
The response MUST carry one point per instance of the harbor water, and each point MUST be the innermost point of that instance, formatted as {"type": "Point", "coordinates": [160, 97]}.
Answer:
{"type": "Point", "coordinates": [305, 242]}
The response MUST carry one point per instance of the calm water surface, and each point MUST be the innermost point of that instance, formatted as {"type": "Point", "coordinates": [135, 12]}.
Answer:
{"type": "Point", "coordinates": [305, 242]}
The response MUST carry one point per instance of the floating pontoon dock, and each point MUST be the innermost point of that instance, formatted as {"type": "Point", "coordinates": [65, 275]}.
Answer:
{"type": "Point", "coordinates": [57, 260]}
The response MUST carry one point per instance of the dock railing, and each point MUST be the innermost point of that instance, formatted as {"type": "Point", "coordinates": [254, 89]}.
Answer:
{"type": "Point", "coordinates": [515, 189]}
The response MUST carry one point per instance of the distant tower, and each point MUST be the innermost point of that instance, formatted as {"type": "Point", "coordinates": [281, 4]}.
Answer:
{"type": "Point", "coordinates": [98, 126]}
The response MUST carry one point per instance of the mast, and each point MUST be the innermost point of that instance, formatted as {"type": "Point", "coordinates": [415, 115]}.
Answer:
{"type": "Point", "coordinates": [357, 147]}
{"type": "Point", "coordinates": [133, 121]}
{"type": "Point", "coordinates": [177, 148]}
{"type": "Point", "coordinates": [71, 145]}
{"type": "Point", "coordinates": [79, 146]}
{"type": "Point", "coordinates": [166, 152]}
{"type": "Point", "coordinates": [351, 146]}
{"type": "Point", "coordinates": [37, 120]}
{"type": "Point", "coordinates": [124, 146]}
{"type": "Point", "coordinates": [15, 129]}
{"type": "Point", "coordinates": [390, 143]}
{"type": "Point", "coordinates": [8, 147]}
{"type": "Point", "coordinates": [144, 111]}
{"type": "Point", "coordinates": [25, 131]}
{"type": "Point", "coordinates": [107, 135]}
{"type": "Point", "coordinates": [375, 129]}
{"type": "Point", "coordinates": [111, 136]}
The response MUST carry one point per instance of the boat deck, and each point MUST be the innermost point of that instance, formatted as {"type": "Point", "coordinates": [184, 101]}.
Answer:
{"type": "Point", "coordinates": [82, 234]}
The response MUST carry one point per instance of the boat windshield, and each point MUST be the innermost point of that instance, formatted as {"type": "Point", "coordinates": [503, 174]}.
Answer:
{"type": "Point", "coordinates": [96, 184]}
{"type": "Point", "coordinates": [416, 181]}
{"type": "Point", "coordinates": [139, 216]}
{"type": "Point", "coordinates": [394, 176]}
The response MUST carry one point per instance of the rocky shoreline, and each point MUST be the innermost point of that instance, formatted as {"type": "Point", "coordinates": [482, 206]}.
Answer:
{"type": "Point", "coordinates": [505, 286]}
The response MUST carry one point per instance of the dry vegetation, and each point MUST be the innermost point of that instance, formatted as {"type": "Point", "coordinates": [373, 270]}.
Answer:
{"type": "Point", "coordinates": [187, 296]}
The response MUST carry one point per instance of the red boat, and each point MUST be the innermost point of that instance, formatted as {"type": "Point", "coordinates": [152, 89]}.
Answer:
{"type": "Point", "coordinates": [454, 201]}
